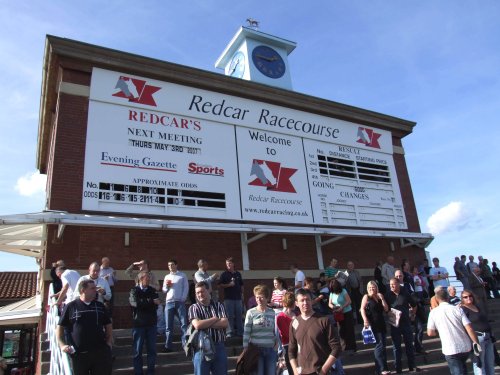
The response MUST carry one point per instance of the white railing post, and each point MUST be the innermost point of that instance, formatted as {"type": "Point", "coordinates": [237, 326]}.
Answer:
{"type": "Point", "coordinates": [59, 361]}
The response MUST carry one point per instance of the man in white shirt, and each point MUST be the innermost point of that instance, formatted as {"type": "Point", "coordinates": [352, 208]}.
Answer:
{"type": "Point", "coordinates": [109, 274]}
{"type": "Point", "coordinates": [299, 277]}
{"type": "Point", "coordinates": [455, 331]}
{"type": "Point", "coordinates": [439, 275]}
{"type": "Point", "coordinates": [176, 286]}
{"type": "Point", "coordinates": [102, 286]}
{"type": "Point", "coordinates": [388, 271]}
{"type": "Point", "coordinates": [69, 279]}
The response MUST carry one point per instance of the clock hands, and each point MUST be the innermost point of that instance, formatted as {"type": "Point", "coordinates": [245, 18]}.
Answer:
{"type": "Point", "coordinates": [237, 62]}
{"type": "Point", "coordinates": [268, 61]}
{"type": "Point", "coordinates": [267, 58]}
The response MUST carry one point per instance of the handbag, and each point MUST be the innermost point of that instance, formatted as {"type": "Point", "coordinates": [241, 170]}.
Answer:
{"type": "Point", "coordinates": [281, 368]}
{"type": "Point", "coordinates": [393, 317]}
{"type": "Point", "coordinates": [338, 316]}
{"type": "Point", "coordinates": [368, 336]}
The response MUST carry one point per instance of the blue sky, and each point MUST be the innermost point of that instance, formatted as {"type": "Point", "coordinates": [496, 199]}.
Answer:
{"type": "Point", "coordinates": [433, 62]}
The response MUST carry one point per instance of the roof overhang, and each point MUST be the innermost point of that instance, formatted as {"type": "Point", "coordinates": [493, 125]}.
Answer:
{"type": "Point", "coordinates": [11, 226]}
{"type": "Point", "coordinates": [23, 238]}
{"type": "Point", "coordinates": [26, 311]}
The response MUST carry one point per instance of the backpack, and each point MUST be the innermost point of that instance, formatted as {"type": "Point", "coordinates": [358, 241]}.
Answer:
{"type": "Point", "coordinates": [191, 340]}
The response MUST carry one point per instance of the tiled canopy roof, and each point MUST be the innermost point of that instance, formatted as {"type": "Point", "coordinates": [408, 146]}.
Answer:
{"type": "Point", "coordinates": [14, 285]}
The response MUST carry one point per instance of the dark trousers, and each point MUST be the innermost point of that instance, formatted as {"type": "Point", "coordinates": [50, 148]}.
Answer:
{"type": "Point", "coordinates": [110, 304]}
{"type": "Point", "coordinates": [404, 330]}
{"type": "Point", "coordinates": [419, 334]}
{"type": "Point", "coordinates": [346, 331]}
{"type": "Point", "coordinates": [491, 287]}
{"type": "Point", "coordinates": [356, 298]}
{"type": "Point", "coordinates": [457, 363]}
{"type": "Point", "coordinates": [287, 359]}
{"type": "Point", "coordinates": [95, 362]}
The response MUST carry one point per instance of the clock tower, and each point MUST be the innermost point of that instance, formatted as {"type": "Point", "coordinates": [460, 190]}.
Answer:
{"type": "Point", "coordinates": [259, 57]}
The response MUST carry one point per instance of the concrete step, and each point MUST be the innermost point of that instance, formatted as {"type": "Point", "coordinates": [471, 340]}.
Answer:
{"type": "Point", "coordinates": [361, 363]}
{"type": "Point", "coordinates": [124, 359]}
{"type": "Point", "coordinates": [182, 368]}
{"type": "Point", "coordinates": [363, 356]}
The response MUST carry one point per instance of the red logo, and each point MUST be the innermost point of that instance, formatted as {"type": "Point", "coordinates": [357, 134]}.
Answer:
{"type": "Point", "coordinates": [272, 175]}
{"type": "Point", "coordinates": [135, 90]}
{"type": "Point", "coordinates": [205, 169]}
{"type": "Point", "coordinates": [368, 137]}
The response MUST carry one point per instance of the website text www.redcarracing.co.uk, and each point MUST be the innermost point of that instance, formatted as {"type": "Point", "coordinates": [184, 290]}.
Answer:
{"type": "Point", "coordinates": [268, 211]}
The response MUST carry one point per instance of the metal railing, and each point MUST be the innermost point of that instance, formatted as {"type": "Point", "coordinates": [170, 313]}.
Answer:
{"type": "Point", "coordinates": [59, 361]}
{"type": "Point", "coordinates": [457, 284]}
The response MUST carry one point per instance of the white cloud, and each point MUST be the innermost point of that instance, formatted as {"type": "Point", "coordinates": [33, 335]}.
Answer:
{"type": "Point", "coordinates": [31, 184]}
{"type": "Point", "coordinates": [453, 217]}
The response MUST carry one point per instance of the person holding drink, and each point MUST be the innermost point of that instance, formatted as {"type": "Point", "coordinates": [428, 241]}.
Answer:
{"type": "Point", "coordinates": [176, 287]}
{"type": "Point", "coordinates": [104, 293]}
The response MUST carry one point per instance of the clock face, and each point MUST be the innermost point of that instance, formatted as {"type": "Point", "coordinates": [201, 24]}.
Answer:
{"type": "Point", "coordinates": [237, 65]}
{"type": "Point", "coordinates": [268, 62]}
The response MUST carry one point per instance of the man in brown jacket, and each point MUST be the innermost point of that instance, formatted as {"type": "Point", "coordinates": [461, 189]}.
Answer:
{"type": "Point", "coordinates": [314, 345]}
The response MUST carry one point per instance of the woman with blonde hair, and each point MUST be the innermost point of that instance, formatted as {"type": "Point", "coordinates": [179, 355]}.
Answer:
{"type": "Point", "coordinates": [373, 306]}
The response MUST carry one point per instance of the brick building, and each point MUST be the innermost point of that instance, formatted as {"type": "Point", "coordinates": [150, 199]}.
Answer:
{"type": "Point", "coordinates": [82, 223]}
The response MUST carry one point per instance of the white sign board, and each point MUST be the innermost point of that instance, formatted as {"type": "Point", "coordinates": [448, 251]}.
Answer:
{"type": "Point", "coordinates": [273, 179]}
{"type": "Point", "coordinates": [134, 164]}
{"type": "Point", "coordinates": [353, 187]}
{"type": "Point", "coordinates": [164, 149]}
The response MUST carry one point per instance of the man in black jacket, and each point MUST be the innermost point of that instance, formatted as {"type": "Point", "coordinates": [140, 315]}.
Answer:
{"type": "Point", "coordinates": [85, 332]}
{"type": "Point", "coordinates": [144, 300]}
{"type": "Point", "coordinates": [399, 299]}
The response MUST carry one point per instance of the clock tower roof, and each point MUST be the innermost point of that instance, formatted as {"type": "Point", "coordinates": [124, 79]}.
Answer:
{"type": "Point", "coordinates": [248, 33]}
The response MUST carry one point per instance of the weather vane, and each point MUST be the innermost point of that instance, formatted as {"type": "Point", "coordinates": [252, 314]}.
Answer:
{"type": "Point", "coordinates": [254, 24]}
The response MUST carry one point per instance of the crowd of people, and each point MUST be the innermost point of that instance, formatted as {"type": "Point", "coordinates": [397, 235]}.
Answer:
{"type": "Point", "coordinates": [316, 315]}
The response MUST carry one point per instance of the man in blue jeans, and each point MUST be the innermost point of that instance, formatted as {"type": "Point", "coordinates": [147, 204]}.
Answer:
{"type": "Point", "coordinates": [232, 282]}
{"type": "Point", "coordinates": [208, 315]}
{"type": "Point", "coordinates": [455, 331]}
{"type": "Point", "coordinates": [176, 286]}
{"type": "Point", "coordinates": [399, 299]}
{"type": "Point", "coordinates": [144, 300]}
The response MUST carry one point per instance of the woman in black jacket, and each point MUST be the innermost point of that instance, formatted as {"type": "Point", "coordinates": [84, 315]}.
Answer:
{"type": "Point", "coordinates": [372, 310]}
